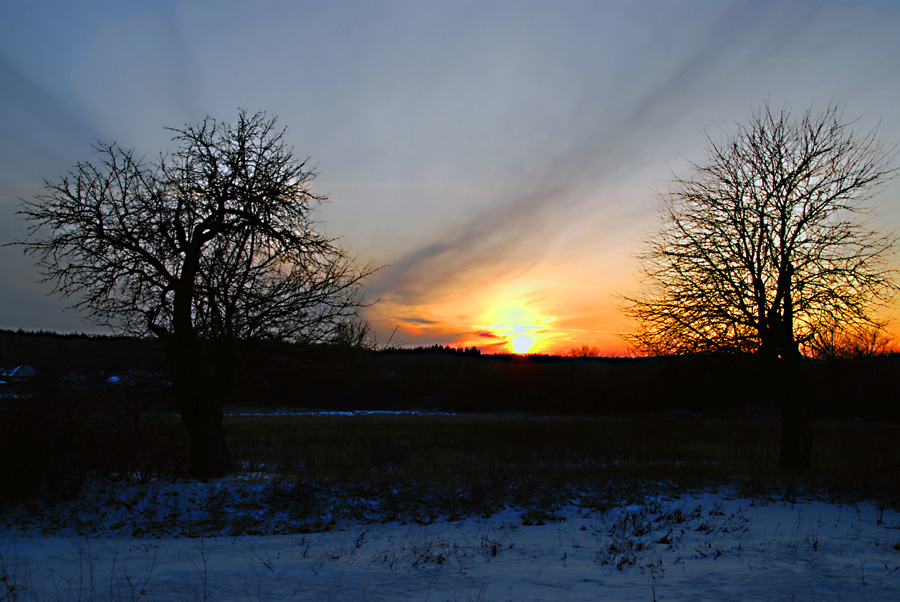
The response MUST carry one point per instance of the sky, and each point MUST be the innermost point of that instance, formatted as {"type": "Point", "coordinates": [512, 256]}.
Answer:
{"type": "Point", "coordinates": [501, 159]}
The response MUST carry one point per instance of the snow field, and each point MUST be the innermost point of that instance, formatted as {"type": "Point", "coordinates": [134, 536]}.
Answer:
{"type": "Point", "coordinates": [705, 546]}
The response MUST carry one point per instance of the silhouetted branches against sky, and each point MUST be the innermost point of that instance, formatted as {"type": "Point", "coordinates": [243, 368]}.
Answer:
{"type": "Point", "coordinates": [773, 234]}
{"type": "Point", "coordinates": [211, 245]}
{"type": "Point", "coordinates": [229, 214]}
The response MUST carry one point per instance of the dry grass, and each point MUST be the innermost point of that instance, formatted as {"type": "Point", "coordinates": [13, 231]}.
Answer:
{"type": "Point", "coordinates": [472, 462]}
{"type": "Point", "coordinates": [850, 456]}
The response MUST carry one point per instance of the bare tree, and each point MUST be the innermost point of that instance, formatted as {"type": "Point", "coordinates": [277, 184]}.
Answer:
{"type": "Point", "coordinates": [834, 341]}
{"type": "Point", "coordinates": [584, 351]}
{"type": "Point", "coordinates": [766, 247]}
{"type": "Point", "coordinates": [210, 245]}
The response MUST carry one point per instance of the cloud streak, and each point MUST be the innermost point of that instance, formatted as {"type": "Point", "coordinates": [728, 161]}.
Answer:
{"type": "Point", "coordinates": [621, 120]}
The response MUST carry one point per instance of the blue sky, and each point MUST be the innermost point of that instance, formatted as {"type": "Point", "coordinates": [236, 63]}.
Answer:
{"type": "Point", "coordinates": [501, 158]}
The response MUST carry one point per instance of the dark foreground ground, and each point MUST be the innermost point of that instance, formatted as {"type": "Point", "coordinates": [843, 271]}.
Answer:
{"type": "Point", "coordinates": [473, 433]}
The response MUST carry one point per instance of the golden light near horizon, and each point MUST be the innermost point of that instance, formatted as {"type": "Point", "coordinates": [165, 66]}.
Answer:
{"type": "Point", "coordinates": [548, 310]}
{"type": "Point", "coordinates": [520, 328]}
{"type": "Point", "coordinates": [521, 343]}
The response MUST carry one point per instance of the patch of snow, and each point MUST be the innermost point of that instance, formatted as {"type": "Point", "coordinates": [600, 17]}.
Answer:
{"type": "Point", "coordinates": [23, 371]}
{"type": "Point", "coordinates": [634, 509]}
{"type": "Point", "coordinates": [703, 546]}
{"type": "Point", "coordinates": [133, 378]}
{"type": "Point", "coordinates": [256, 414]}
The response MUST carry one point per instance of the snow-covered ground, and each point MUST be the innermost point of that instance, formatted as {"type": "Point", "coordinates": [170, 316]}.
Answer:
{"type": "Point", "coordinates": [703, 546]}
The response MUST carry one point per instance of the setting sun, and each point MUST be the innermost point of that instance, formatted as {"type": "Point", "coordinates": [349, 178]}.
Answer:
{"type": "Point", "coordinates": [518, 328]}
{"type": "Point", "coordinates": [521, 343]}
{"type": "Point", "coordinates": [534, 314]}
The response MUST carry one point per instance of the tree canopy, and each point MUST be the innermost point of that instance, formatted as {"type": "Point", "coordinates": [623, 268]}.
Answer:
{"type": "Point", "coordinates": [769, 245]}
{"type": "Point", "coordinates": [223, 225]}
{"type": "Point", "coordinates": [211, 244]}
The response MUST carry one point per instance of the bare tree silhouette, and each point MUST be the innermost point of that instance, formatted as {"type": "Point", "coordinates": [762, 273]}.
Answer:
{"type": "Point", "coordinates": [766, 248]}
{"type": "Point", "coordinates": [207, 246]}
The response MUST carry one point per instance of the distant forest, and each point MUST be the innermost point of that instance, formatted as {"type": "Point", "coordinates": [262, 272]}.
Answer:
{"type": "Point", "coordinates": [126, 370]}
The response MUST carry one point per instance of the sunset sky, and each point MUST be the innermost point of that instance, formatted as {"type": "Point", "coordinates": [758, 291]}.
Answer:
{"type": "Point", "coordinates": [502, 159]}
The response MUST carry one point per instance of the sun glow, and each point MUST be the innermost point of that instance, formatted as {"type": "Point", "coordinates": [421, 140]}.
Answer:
{"type": "Point", "coordinates": [518, 328]}
{"type": "Point", "coordinates": [521, 343]}
{"type": "Point", "coordinates": [533, 314]}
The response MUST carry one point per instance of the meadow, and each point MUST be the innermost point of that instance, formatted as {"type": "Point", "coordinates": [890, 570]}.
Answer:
{"type": "Point", "coordinates": [567, 451]}
{"type": "Point", "coordinates": [414, 466]}
{"type": "Point", "coordinates": [437, 476]}
{"type": "Point", "coordinates": [456, 508]}
{"type": "Point", "coordinates": [100, 406]}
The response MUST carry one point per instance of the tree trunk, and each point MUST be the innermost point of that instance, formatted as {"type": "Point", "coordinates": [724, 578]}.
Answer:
{"type": "Point", "coordinates": [784, 363]}
{"type": "Point", "coordinates": [796, 437]}
{"type": "Point", "coordinates": [199, 407]}
{"type": "Point", "coordinates": [201, 414]}
{"type": "Point", "coordinates": [209, 457]}
{"type": "Point", "coordinates": [796, 417]}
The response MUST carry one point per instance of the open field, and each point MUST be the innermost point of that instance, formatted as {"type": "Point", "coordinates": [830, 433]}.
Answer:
{"type": "Point", "coordinates": [680, 447]}
{"type": "Point", "coordinates": [492, 508]}
{"type": "Point", "coordinates": [455, 507]}
{"type": "Point", "coordinates": [631, 482]}
{"type": "Point", "coordinates": [420, 467]}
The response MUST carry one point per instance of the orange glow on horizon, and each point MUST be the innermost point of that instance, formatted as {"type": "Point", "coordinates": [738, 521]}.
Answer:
{"type": "Point", "coordinates": [530, 315]}
{"type": "Point", "coordinates": [516, 328]}
{"type": "Point", "coordinates": [543, 311]}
